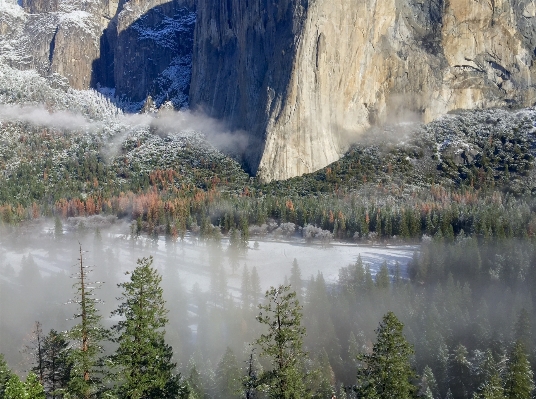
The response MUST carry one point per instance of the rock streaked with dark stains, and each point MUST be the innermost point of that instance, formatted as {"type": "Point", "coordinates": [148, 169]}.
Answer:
{"type": "Point", "coordinates": [302, 78]}
{"type": "Point", "coordinates": [305, 78]}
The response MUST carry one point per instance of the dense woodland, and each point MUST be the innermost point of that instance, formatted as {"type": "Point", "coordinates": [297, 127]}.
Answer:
{"type": "Point", "coordinates": [466, 308]}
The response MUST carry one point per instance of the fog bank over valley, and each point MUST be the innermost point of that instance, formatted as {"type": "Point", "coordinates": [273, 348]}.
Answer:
{"type": "Point", "coordinates": [38, 258]}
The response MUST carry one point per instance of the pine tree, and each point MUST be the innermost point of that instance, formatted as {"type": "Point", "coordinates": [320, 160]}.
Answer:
{"type": "Point", "coordinates": [522, 329]}
{"type": "Point", "coordinates": [58, 228]}
{"type": "Point", "coordinates": [387, 372]}
{"type": "Point", "coordinates": [228, 377]}
{"type": "Point", "coordinates": [193, 382]}
{"type": "Point", "coordinates": [460, 381]}
{"type": "Point", "coordinates": [33, 388]}
{"type": "Point", "coordinates": [428, 384]}
{"type": "Point", "coordinates": [255, 285]}
{"type": "Point", "coordinates": [142, 357]}
{"type": "Point", "coordinates": [519, 376]}
{"type": "Point", "coordinates": [322, 378]}
{"type": "Point", "coordinates": [382, 278]}
{"type": "Point", "coordinates": [296, 278]}
{"type": "Point", "coordinates": [246, 288]}
{"type": "Point", "coordinates": [492, 387]}
{"type": "Point", "coordinates": [15, 389]}
{"type": "Point", "coordinates": [36, 351]}
{"type": "Point", "coordinates": [250, 382]}
{"type": "Point", "coordinates": [282, 344]}
{"type": "Point", "coordinates": [56, 365]}
{"type": "Point", "coordinates": [234, 248]}
{"type": "Point", "coordinates": [88, 335]}
{"type": "Point", "coordinates": [5, 375]}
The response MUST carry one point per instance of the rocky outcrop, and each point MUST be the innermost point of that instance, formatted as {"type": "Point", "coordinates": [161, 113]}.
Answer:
{"type": "Point", "coordinates": [39, 6]}
{"type": "Point", "coordinates": [145, 48]}
{"type": "Point", "coordinates": [138, 47]}
{"type": "Point", "coordinates": [307, 77]}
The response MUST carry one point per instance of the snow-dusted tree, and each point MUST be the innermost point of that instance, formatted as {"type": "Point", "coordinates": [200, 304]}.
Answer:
{"type": "Point", "coordinates": [387, 372]}
{"type": "Point", "coordinates": [282, 344]}
{"type": "Point", "coordinates": [228, 377]}
{"type": "Point", "coordinates": [56, 365]}
{"type": "Point", "coordinates": [15, 389]}
{"type": "Point", "coordinates": [427, 384]}
{"type": "Point", "coordinates": [31, 389]}
{"type": "Point", "coordinates": [492, 387]}
{"type": "Point", "coordinates": [142, 361]}
{"type": "Point", "coordinates": [87, 337]}
{"type": "Point", "coordinates": [5, 375]}
{"type": "Point", "coordinates": [519, 377]}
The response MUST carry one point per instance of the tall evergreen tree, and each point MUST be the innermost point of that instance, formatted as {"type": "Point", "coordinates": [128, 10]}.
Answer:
{"type": "Point", "coordinates": [460, 367]}
{"type": "Point", "coordinates": [255, 285]}
{"type": "Point", "coordinates": [142, 357]}
{"type": "Point", "coordinates": [519, 376]}
{"type": "Point", "coordinates": [522, 329]}
{"type": "Point", "coordinates": [87, 335]}
{"type": "Point", "coordinates": [296, 278]}
{"type": "Point", "coordinates": [246, 288]}
{"type": "Point", "coordinates": [228, 377]}
{"type": "Point", "coordinates": [492, 387]}
{"type": "Point", "coordinates": [282, 344]}
{"type": "Point", "coordinates": [386, 372]}
{"type": "Point", "coordinates": [36, 351]}
{"type": "Point", "coordinates": [56, 364]}
{"type": "Point", "coordinates": [383, 280]}
{"type": "Point", "coordinates": [428, 385]}
{"type": "Point", "coordinates": [194, 384]}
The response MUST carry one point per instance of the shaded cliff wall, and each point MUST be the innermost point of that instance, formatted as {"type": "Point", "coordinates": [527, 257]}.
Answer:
{"type": "Point", "coordinates": [141, 42]}
{"type": "Point", "coordinates": [244, 56]}
{"type": "Point", "coordinates": [304, 79]}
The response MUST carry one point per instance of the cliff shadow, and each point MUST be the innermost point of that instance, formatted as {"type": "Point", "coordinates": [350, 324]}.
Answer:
{"type": "Point", "coordinates": [244, 55]}
{"type": "Point", "coordinates": [151, 56]}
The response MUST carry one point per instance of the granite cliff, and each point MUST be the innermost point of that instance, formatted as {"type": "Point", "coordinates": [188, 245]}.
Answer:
{"type": "Point", "coordinates": [136, 48]}
{"type": "Point", "coordinates": [306, 77]}
{"type": "Point", "coordinates": [303, 78]}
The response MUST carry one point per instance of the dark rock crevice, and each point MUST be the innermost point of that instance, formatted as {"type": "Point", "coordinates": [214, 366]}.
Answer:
{"type": "Point", "coordinates": [52, 46]}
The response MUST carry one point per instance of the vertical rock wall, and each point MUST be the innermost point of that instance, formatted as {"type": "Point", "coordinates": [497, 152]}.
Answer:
{"type": "Point", "coordinates": [244, 55]}
{"type": "Point", "coordinates": [309, 77]}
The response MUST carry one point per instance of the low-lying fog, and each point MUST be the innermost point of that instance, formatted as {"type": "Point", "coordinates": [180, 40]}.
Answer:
{"type": "Point", "coordinates": [37, 259]}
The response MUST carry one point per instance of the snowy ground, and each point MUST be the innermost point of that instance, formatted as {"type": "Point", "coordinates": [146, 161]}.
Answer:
{"type": "Point", "coordinates": [191, 258]}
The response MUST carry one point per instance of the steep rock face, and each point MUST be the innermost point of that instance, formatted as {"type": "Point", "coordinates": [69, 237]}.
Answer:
{"type": "Point", "coordinates": [146, 48]}
{"type": "Point", "coordinates": [307, 77]}
{"type": "Point", "coordinates": [138, 47]}
{"type": "Point", "coordinates": [55, 38]}
{"type": "Point", "coordinates": [244, 56]}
